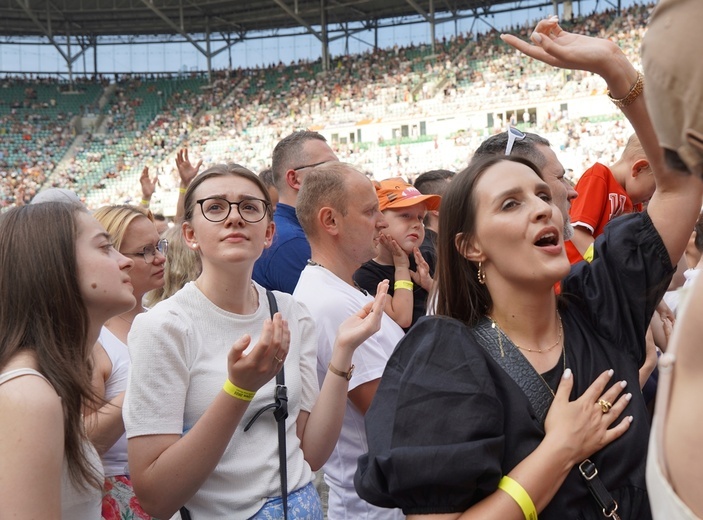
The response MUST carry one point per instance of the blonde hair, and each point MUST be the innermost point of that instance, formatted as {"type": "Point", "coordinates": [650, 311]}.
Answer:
{"type": "Point", "coordinates": [182, 266]}
{"type": "Point", "coordinates": [116, 220]}
{"type": "Point", "coordinates": [633, 148]}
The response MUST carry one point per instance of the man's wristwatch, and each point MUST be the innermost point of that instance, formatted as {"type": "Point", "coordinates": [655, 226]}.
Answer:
{"type": "Point", "coordinates": [337, 372]}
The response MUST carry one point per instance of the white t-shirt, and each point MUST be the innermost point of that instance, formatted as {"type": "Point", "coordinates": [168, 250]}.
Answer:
{"type": "Point", "coordinates": [115, 459]}
{"type": "Point", "coordinates": [179, 363]}
{"type": "Point", "coordinates": [330, 301]}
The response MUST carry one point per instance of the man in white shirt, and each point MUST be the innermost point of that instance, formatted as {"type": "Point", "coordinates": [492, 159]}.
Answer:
{"type": "Point", "coordinates": [338, 209]}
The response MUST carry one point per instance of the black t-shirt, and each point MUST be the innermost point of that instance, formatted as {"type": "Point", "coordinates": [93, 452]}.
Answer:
{"type": "Point", "coordinates": [371, 273]}
{"type": "Point", "coordinates": [448, 422]}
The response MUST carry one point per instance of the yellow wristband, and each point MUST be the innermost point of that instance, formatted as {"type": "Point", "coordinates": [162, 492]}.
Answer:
{"type": "Point", "coordinates": [403, 284]}
{"type": "Point", "coordinates": [144, 202]}
{"type": "Point", "coordinates": [518, 493]}
{"type": "Point", "coordinates": [182, 190]}
{"type": "Point", "coordinates": [238, 393]}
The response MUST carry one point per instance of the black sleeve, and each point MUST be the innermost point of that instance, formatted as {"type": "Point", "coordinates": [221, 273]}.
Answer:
{"type": "Point", "coordinates": [619, 290]}
{"type": "Point", "coordinates": [435, 427]}
{"type": "Point", "coordinates": [369, 275]}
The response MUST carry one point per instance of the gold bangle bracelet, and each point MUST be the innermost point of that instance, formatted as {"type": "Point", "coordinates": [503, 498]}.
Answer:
{"type": "Point", "coordinates": [634, 93]}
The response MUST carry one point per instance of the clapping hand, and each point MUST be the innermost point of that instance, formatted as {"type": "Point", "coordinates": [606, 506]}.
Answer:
{"type": "Point", "coordinates": [253, 370]}
{"type": "Point", "coordinates": [421, 275]}
{"type": "Point", "coordinates": [365, 323]}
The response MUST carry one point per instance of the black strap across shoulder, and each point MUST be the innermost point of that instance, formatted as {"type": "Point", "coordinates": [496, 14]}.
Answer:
{"type": "Point", "coordinates": [526, 377]}
{"type": "Point", "coordinates": [516, 366]}
{"type": "Point", "coordinates": [280, 413]}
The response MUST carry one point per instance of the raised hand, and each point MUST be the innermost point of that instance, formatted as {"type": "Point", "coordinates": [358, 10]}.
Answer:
{"type": "Point", "coordinates": [582, 427]}
{"type": "Point", "coordinates": [365, 323]}
{"type": "Point", "coordinates": [560, 48]}
{"type": "Point", "coordinates": [148, 184]}
{"type": "Point", "coordinates": [421, 276]}
{"type": "Point", "coordinates": [186, 171]}
{"type": "Point", "coordinates": [253, 370]}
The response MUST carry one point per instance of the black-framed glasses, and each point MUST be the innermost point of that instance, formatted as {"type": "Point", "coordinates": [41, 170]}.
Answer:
{"type": "Point", "coordinates": [513, 135]}
{"type": "Point", "coordinates": [217, 209]}
{"type": "Point", "coordinates": [309, 165]}
{"type": "Point", "coordinates": [149, 252]}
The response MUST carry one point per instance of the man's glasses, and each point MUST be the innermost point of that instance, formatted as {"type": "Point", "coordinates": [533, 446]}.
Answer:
{"type": "Point", "coordinates": [217, 209]}
{"type": "Point", "coordinates": [309, 165]}
{"type": "Point", "coordinates": [149, 252]}
{"type": "Point", "coordinates": [513, 135]}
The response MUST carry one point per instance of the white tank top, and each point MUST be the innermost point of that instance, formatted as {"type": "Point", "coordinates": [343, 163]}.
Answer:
{"type": "Point", "coordinates": [76, 503]}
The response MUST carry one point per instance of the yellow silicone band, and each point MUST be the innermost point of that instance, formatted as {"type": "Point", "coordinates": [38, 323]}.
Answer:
{"type": "Point", "coordinates": [403, 284]}
{"type": "Point", "coordinates": [182, 190]}
{"type": "Point", "coordinates": [144, 202]}
{"type": "Point", "coordinates": [518, 493]}
{"type": "Point", "coordinates": [236, 392]}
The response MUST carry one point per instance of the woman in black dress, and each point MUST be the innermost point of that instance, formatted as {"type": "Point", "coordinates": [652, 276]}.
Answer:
{"type": "Point", "coordinates": [502, 404]}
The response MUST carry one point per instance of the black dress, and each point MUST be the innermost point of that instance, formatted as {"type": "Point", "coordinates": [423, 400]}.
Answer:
{"type": "Point", "coordinates": [448, 422]}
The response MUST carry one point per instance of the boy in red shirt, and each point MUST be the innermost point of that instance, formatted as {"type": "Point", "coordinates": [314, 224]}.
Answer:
{"type": "Point", "coordinates": [605, 193]}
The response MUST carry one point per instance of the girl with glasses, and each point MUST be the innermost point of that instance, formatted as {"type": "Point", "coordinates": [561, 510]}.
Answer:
{"type": "Point", "coordinates": [60, 280]}
{"type": "Point", "coordinates": [204, 363]}
{"type": "Point", "coordinates": [134, 234]}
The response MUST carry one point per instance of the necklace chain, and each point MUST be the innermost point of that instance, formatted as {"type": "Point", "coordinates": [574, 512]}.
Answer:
{"type": "Point", "coordinates": [125, 319]}
{"type": "Point", "coordinates": [356, 285]}
{"type": "Point", "coordinates": [560, 332]}
{"type": "Point", "coordinates": [500, 332]}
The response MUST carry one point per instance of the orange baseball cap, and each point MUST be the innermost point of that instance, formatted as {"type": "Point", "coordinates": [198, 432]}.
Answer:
{"type": "Point", "coordinates": [396, 193]}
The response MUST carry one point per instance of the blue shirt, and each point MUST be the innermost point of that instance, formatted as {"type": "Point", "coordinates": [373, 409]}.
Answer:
{"type": "Point", "coordinates": [280, 265]}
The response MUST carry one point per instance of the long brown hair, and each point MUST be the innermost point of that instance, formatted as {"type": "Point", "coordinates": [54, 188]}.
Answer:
{"type": "Point", "coordinates": [43, 311]}
{"type": "Point", "coordinates": [459, 295]}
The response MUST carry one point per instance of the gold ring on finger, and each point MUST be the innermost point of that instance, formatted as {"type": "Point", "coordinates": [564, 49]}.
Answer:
{"type": "Point", "coordinates": [605, 406]}
{"type": "Point", "coordinates": [277, 359]}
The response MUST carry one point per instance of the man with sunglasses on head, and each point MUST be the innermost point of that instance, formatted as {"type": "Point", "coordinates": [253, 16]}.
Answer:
{"type": "Point", "coordinates": [293, 158]}
{"type": "Point", "coordinates": [538, 150]}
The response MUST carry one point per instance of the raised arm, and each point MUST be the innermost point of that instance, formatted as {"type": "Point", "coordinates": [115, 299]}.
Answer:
{"type": "Point", "coordinates": [148, 186]}
{"type": "Point", "coordinates": [676, 203]}
{"type": "Point", "coordinates": [186, 172]}
{"type": "Point", "coordinates": [400, 305]}
{"type": "Point", "coordinates": [319, 430]}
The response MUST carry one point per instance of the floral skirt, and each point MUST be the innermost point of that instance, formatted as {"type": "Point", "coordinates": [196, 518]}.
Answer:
{"type": "Point", "coordinates": [303, 504]}
{"type": "Point", "coordinates": [120, 502]}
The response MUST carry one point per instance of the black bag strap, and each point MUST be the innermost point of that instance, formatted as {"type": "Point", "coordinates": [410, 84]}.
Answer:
{"type": "Point", "coordinates": [516, 366]}
{"type": "Point", "coordinates": [526, 377]}
{"type": "Point", "coordinates": [280, 413]}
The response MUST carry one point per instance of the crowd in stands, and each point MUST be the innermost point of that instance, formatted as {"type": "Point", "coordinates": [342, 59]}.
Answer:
{"type": "Point", "coordinates": [243, 113]}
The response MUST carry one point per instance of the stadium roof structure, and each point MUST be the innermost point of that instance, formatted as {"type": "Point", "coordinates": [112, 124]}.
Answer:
{"type": "Point", "coordinates": [95, 18]}
{"type": "Point", "coordinates": [74, 26]}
